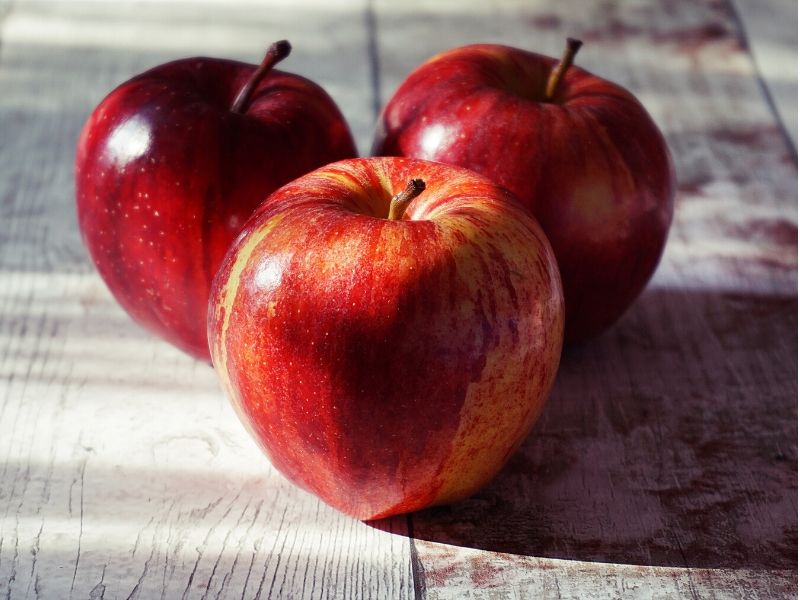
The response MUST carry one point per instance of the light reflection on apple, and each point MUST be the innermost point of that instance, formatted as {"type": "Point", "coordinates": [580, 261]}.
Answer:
{"type": "Point", "coordinates": [269, 274]}
{"type": "Point", "coordinates": [128, 142]}
{"type": "Point", "coordinates": [431, 140]}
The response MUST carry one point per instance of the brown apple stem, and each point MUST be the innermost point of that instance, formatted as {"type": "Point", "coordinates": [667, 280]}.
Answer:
{"type": "Point", "coordinates": [275, 53]}
{"type": "Point", "coordinates": [400, 202]}
{"type": "Point", "coordinates": [557, 74]}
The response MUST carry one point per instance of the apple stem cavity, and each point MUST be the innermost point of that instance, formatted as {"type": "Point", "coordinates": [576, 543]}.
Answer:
{"type": "Point", "coordinates": [557, 74]}
{"type": "Point", "coordinates": [400, 202]}
{"type": "Point", "coordinates": [275, 53]}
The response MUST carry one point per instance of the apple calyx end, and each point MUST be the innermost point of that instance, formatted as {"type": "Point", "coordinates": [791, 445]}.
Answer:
{"type": "Point", "coordinates": [400, 201]}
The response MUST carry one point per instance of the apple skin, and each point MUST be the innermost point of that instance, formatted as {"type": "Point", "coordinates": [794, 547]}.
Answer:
{"type": "Point", "coordinates": [591, 164]}
{"type": "Point", "coordinates": [166, 175]}
{"type": "Point", "coordinates": [388, 365]}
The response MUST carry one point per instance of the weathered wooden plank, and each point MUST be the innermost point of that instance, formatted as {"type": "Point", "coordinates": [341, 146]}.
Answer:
{"type": "Point", "coordinates": [771, 30]}
{"type": "Point", "coordinates": [665, 463]}
{"type": "Point", "coordinates": [668, 444]}
{"type": "Point", "coordinates": [519, 577]}
{"type": "Point", "coordinates": [123, 472]}
{"type": "Point", "coordinates": [678, 460]}
{"type": "Point", "coordinates": [97, 45]}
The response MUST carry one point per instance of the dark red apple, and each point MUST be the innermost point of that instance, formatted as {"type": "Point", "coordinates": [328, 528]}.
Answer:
{"type": "Point", "coordinates": [580, 152]}
{"type": "Point", "coordinates": [171, 164]}
{"type": "Point", "coordinates": [388, 356]}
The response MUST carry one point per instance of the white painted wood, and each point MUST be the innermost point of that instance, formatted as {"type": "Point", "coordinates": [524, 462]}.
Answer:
{"type": "Point", "coordinates": [663, 467]}
{"type": "Point", "coordinates": [123, 471]}
{"type": "Point", "coordinates": [771, 29]}
{"type": "Point", "coordinates": [101, 44]}
{"type": "Point", "coordinates": [495, 575]}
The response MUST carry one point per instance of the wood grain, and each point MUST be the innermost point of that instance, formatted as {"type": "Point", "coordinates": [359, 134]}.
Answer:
{"type": "Point", "coordinates": [770, 28]}
{"type": "Point", "coordinates": [665, 465]}
{"type": "Point", "coordinates": [123, 471]}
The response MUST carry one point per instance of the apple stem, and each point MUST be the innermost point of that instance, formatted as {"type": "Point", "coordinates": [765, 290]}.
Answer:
{"type": "Point", "coordinates": [557, 74]}
{"type": "Point", "coordinates": [275, 53]}
{"type": "Point", "coordinates": [400, 202]}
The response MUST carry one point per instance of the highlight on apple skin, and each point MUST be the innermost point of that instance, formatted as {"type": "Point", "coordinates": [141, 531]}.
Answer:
{"type": "Point", "coordinates": [170, 165]}
{"type": "Point", "coordinates": [581, 153]}
{"type": "Point", "coordinates": [388, 364]}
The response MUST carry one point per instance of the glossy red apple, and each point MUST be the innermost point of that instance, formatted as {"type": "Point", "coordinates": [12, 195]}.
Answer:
{"type": "Point", "coordinates": [170, 165]}
{"type": "Point", "coordinates": [388, 359]}
{"type": "Point", "coordinates": [584, 156]}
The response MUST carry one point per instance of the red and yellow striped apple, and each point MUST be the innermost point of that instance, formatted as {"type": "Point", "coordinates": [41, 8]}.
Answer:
{"type": "Point", "coordinates": [171, 164]}
{"type": "Point", "coordinates": [580, 152]}
{"type": "Point", "coordinates": [388, 354]}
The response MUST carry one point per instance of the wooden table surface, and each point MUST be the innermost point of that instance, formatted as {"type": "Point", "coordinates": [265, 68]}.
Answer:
{"type": "Point", "coordinates": [665, 464]}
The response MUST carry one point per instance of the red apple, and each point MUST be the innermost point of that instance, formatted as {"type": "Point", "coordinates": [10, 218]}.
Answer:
{"type": "Point", "coordinates": [580, 152]}
{"type": "Point", "coordinates": [388, 360]}
{"type": "Point", "coordinates": [171, 164]}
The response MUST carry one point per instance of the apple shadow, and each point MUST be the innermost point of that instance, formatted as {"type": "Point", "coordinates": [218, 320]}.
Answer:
{"type": "Point", "coordinates": [667, 441]}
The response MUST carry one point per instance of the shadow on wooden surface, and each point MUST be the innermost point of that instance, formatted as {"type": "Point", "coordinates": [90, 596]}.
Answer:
{"type": "Point", "coordinates": [668, 441]}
